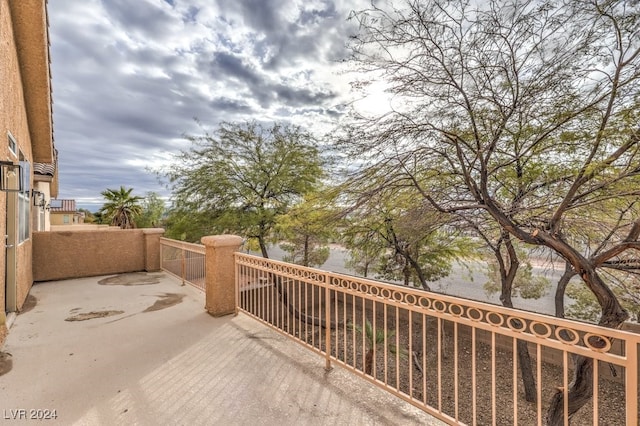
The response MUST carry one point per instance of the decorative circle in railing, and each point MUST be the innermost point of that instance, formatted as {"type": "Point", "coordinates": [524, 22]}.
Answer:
{"type": "Point", "coordinates": [439, 306]}
{"type": "Point", "coordinates": [386, 293]}
{"type": "Point", "coordinates": [375, 291]}
{"type": "Point", "coordinates": [535, 326]}
{"type": "Point", "coordinates": [516, 324]}
{"type": "Point", "coordinates": [424, 302]}
{"type": "Point", "coordinates": [363, 288]}
{"type": "Point", "coordinates": [495, 319]}
{"type": "Point", "coordinates": [353, 285]}
{"type": "Point", "coordinates": [398, 296]}
{"type": "Point", "coordinates": [339, 282]}
{"type": "Point", "coordinates": [411, 299]}
{"type": "Point", "coordinates": [597, 343]}
{"type": "Point", "coordinates": [474, 314]}
{"type": "Point", "coordinates": [456, 310]}
{"type": "Point", "coordinates": [567, 335]}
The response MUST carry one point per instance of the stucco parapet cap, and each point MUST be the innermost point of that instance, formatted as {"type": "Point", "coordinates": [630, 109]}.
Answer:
{"type": "Point", "coordinates": [153, 230]}
{"type": "Point", "coordinates": [221, 240]}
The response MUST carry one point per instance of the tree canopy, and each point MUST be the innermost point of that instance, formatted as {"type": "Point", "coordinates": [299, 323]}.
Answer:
{"type": "Point", "coordinates": [152, 211]}
{"type": "Point", "coordinates": [241, 178]}
{"type": "Point", "coordinates": [521, 115]}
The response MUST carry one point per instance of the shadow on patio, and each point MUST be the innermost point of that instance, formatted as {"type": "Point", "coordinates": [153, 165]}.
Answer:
{"type": "Point", "coordinates": [155, 362]}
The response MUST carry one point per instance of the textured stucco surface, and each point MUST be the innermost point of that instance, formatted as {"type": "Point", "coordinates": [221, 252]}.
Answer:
{"type": "Point", "coordinates": [220, 273]}
{"type": "Point", "coordinates": [30, 29]}
{"type": "Point", "coordinates": [75, 254]}
{"type": "Point", "coordinates": [14, 120]}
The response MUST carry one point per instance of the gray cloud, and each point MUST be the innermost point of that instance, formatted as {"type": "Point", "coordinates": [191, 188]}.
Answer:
{"type": "Point", "coordinates": [129, 78]}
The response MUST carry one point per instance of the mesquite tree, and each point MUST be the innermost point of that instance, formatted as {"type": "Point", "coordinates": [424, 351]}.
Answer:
{"type": "Point", "coordinates": [243, 177]}
{"type": "Point", "coordinates": [525, 111]}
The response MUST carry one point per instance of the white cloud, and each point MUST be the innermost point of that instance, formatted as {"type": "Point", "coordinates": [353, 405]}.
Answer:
{"type": "Point", "coordinates": [129, 77]}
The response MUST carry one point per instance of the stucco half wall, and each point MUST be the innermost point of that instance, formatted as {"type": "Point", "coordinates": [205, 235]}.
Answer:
{"type": "Point", "coordinates": [75, 254]}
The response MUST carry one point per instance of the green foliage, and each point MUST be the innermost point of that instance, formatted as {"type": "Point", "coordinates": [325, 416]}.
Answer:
{"type": "Point", "coordinates": [307, 229]}
{"type": "Point", "coordinates": [152, 211]}
{"type": "Point", "coordinates": [506, 126]}
{"type": "Point", "coordinates": [525, 284]}
{"type": "Point", "coordinates": [241, 179]}
{"type": "Point", "coordinates": [584, 305]}
{"type": "Point", "coordinates": [396, 237]}
{"type": "Point", "coordinates": [364, 252]}
{"type": "Point", "coordinates": [88, 216]}
{"type": "Point", "coordinates": [121, 208]}
{"type": "Point", "coordinates": [374, 337]}
{"type": "Point", "coordinates": [296, 252]}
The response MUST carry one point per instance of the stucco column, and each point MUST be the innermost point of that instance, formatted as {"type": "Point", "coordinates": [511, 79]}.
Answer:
{"type": "Point", "coordinates": [220, 273]}
{"type": "Point", "coordinates": [152, 248]}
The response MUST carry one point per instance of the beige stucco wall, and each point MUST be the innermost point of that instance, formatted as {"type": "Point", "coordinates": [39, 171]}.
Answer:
{"type": "Point", "coordinates": [13, 119]}
{"type": "Point", "coordinates": [58, 218]}
{"type": "Point", "coordinates": [31, 36]}
{"type": "Point", "coordinates": [86, 253]}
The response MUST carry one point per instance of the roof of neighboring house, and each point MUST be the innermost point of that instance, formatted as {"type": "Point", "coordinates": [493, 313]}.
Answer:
{"type": "Point", "coordinates": [62, 206]}
{"type": "Point", "coordinates": [44, 169]}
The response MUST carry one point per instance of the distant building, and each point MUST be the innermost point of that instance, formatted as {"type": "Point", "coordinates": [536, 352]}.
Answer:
{"type": "Point", "coordinates": [64, 212]}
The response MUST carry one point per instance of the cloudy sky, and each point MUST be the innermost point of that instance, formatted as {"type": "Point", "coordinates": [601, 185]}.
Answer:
{"type": "Point", "coordinates": [129, 77]}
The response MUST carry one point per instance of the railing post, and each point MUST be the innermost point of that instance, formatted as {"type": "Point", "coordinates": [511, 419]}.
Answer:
{"type": "Point", "coordinates": [631, 381]}
{"type": "Point", "coordinates": [220, 280]}
{"type": "Point", "coordinates": [183, 265]}
{"type": "Point", "coordinates": [152, 248]}
{"type": "Point", "coordinates": [327, 322]}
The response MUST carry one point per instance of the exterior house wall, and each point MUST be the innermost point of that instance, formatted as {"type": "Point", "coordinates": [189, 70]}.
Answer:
{"type": "Point", "coordinates": [13, 120]}
{"type": "Point", "coordinates": [57, 218]}
{"type": "Point", "coordinates": [25, 114]}
{"type": "Point", "coordinates": [41, 215]}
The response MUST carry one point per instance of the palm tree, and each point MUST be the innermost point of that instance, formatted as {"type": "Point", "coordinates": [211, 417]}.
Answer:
{"type": "Point", "coordinates": [121, 207]}
{"type": "Point", "coordinates": [374, 339]}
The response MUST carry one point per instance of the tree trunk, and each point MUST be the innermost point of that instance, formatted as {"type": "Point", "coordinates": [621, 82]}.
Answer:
{"type": "Point", "coordinates": [263, 247]}
{"type": "Point", "coordinates": [406, 273]}
{"type": "Point", "coordinates": [305, 256]}
{"type": "Point", "coordinates": [613, 314]}
{"type": "Point", "coordinates": [561, 288]}
{"type": "Point", "coordinates": [308, 319]}
{"type": "Point", "coordinates": [580, 392]}
{"type": "Point", "coordinates": [507, 276]}
{"type": "Point", "coordinates": [524, 360]}
{"type": "Point", "coordinates": [368, 362]}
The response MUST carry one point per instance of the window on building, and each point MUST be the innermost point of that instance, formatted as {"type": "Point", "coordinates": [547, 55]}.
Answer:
{"type": "Point", "coordinates": [24, 201]}
{"type": "Point", "coordinates": [13, 145]}
{"type": "Point", "coordinates": [65, 219]}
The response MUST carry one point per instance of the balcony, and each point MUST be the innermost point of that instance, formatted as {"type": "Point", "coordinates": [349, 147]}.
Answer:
{"type": "Point", "coordinates": [160, 356]}
{"type": "Point", "coordinates": [151, 362]}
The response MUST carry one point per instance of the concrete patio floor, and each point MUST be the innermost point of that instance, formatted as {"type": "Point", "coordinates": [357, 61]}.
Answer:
{"type": "Point", "coordinates": [164, 360]}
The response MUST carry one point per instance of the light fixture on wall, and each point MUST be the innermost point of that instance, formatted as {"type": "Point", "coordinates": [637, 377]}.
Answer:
{"type": "Point", "coordinates": [10, 177]}
{"type": "Point", "coordinates": [38, 198]}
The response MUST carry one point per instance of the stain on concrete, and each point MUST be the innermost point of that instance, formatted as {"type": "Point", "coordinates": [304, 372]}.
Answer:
{"type": "Point", "coordinates": [165, 301]}
{"type": "Point", "coordinates": [92, 315]}
{"type": "Point", "coordinates": [134, 278]}
{"type": "Point", "coordinates": [6, 363]}
{"type": "Point", "coordinates": [29, 304]}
